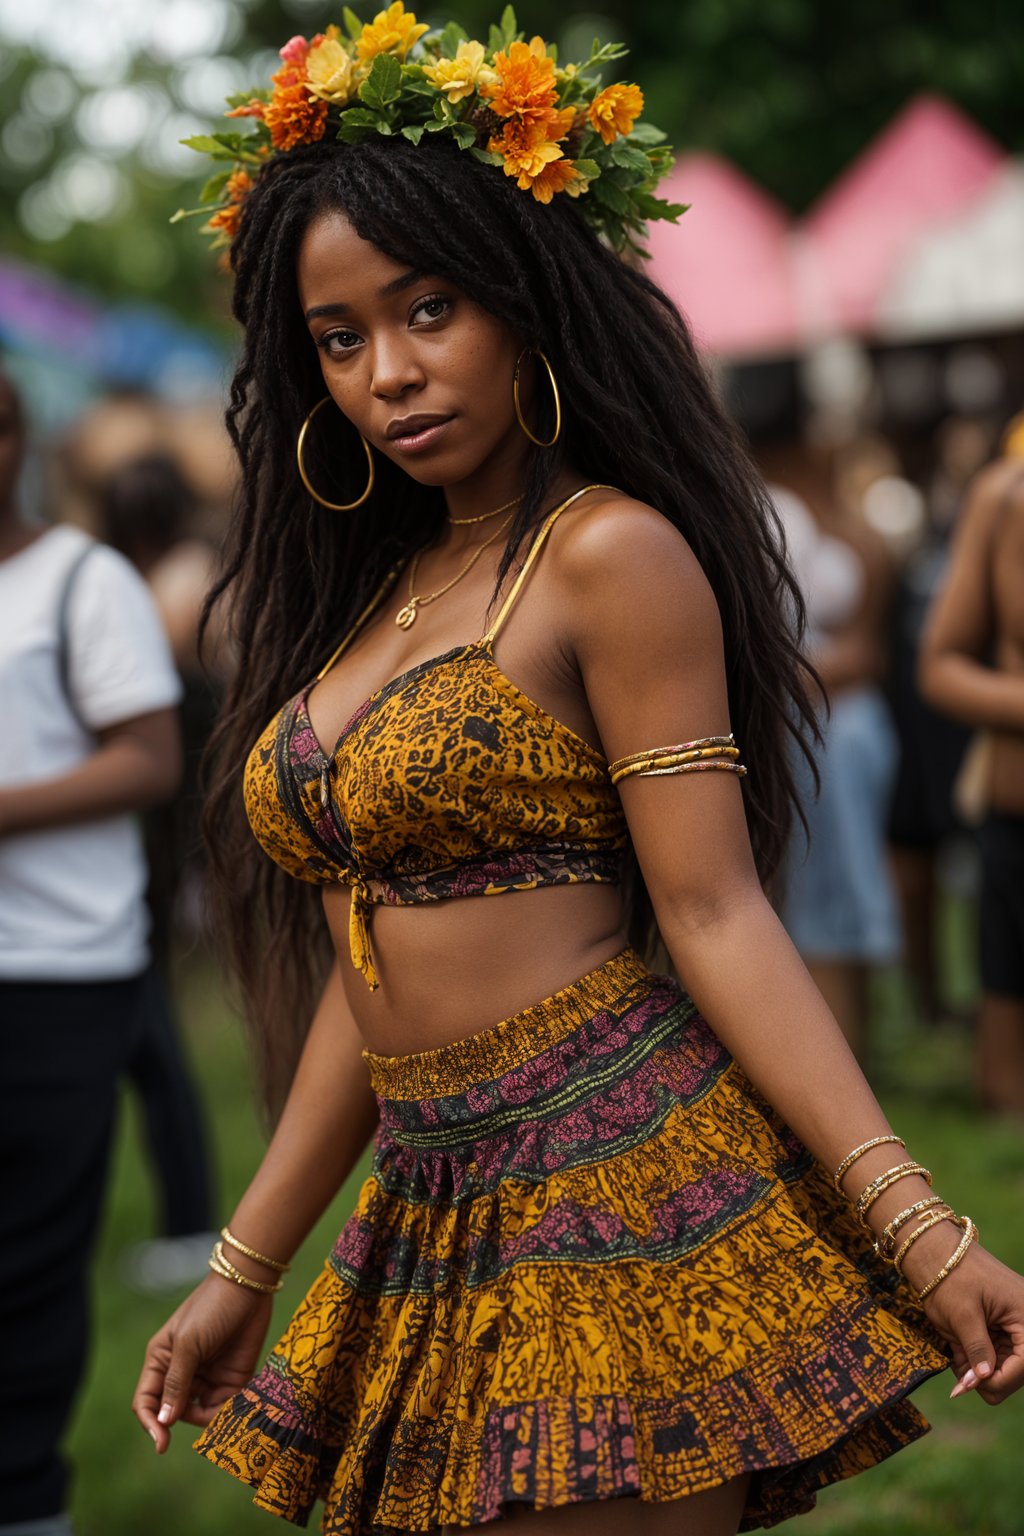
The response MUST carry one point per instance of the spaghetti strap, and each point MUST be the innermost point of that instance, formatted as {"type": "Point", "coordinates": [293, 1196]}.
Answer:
{"type": "Point", "coordinates": [534, 551]}
{"type": "Point", "coordinates": [354, 628]}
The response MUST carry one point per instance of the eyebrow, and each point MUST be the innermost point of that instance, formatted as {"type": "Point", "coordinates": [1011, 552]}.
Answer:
{"type": "Point", "coordinates": [396, 285]}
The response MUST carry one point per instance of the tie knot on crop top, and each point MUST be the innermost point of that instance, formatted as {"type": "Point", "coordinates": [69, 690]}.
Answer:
{"type": "Point", "coordinates": [448, 781]}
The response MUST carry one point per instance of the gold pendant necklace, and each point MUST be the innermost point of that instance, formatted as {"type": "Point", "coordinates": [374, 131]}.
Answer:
{"type": "Point", "coordinates": [462, 522]}
{"type": "Point", "coordinates": [405, 618]}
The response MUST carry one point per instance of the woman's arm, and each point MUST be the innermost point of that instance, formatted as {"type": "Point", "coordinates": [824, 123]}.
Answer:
{"type": "Point", "coordinates": [647, 637]}
{"type": "Point", "coordinates": [137, 763]}
{"type": "Point", "coordinates": [952, 674]}
{"type": "Point", "coordinates": [209, 1347]}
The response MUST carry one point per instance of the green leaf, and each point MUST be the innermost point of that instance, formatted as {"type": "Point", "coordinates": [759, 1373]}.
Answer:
{"type": "Point", "coordinates": [413, 132]}
{"type": "Point", "coordinates": [588, 168]}
{"type": "Point", "coordinates": [509, 25]}
{"type": "Point", "coordinates": [383, 126]}
{"type": "Point", "coordinates": [450, 39]}
{"type": "Point", "coordinates": [611, 196]}
{"type": "Point", "coordinates": [211, 192]}
{"type": "Point", "coordinates": [655, 208]}
{"type": "Point", "coordinates": [234, 141]}
{"type": "Point", "coordinates": [359, 117]}
{"type": "Point", "coordinates": [436, 126]}
{"type": "Point", "coordinates": [205, 144]}
{"type": "Point", "coordinates": [384, 82]}
{"type": "Point", "coordinates": [629, 158]}
{"type": "Point", "coordinates": [486, 156]}
{"type": "Point", "coordinates": [465, 133]}
{"type": "Point", "coordinates": [352, 21]}
{"type": "Point", "coordinates": [495, 39]}
{"type": "Point", "coordinates": [443, 109]}
{"type": "Point", "coordinates": [646, 133]}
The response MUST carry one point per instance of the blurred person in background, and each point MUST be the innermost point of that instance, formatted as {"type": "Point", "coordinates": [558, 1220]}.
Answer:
{"type": "Point", "coordinates": [840, 907]}
{"type": "Point", "coordinates": [90, 738]}
{"type": "Point", "coordinates": [148, 514]}
{"type": "Point", "coordinates": [972, 667]}
{"type": "Point", "coordinates": [924, 822]}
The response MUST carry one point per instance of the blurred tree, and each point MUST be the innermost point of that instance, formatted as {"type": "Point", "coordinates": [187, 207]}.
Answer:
{"type": "Point", "coordinates": [790, 90]}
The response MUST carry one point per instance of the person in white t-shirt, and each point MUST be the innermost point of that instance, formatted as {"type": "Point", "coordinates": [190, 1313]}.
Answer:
{"type": "Point", "coordinates": [88, 738]}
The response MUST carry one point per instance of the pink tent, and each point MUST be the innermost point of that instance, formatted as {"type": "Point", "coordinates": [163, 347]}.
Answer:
{"type": "Point", "coordinates": [928, 166]}
{"type": "Point", "coordinates": [727, 263]}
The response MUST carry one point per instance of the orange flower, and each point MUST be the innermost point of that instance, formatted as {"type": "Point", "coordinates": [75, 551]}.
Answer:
{"type": "Point", "coordinates": [555, 177]}
{"type": "Point", "coordinates": [253, 108]}
{"type": "Point", "coordinates": [292, 114]}
{"type": "Point", "coordinates": [390, 31]}
{"type": "Point", "coordinates": [525, 148]}
{"type": "Point", "coordinates": [525, 87]}
{"type": "Point", "coordinates": [615, 109]}
{"type": "Point", "coordinates": [226, 219]}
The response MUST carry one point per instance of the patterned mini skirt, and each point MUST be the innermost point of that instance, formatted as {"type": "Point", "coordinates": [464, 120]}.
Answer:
{"type": "Point", "coordinates": [590, 1262]}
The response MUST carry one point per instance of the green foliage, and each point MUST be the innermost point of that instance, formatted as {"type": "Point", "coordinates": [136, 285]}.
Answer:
{"type": "Point", "coordinates": [791, 90]}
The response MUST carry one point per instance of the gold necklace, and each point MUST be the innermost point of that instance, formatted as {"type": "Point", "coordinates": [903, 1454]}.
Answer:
{"type": "Point", "coordinates": [405, 618]}
{"type": "Point", "coordinates": [461, 522]}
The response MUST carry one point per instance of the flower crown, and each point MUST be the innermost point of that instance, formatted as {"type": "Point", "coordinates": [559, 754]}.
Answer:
{"type": "Point", "coordinates": [509, 104]}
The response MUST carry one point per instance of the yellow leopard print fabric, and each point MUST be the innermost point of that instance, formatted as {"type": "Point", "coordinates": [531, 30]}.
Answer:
{"type": "Point", "coordinates": [448, 781]}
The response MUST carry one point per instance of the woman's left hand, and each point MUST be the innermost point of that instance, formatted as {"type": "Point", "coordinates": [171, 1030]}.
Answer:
{"type": "Point", "coordinates": [979, 1308]}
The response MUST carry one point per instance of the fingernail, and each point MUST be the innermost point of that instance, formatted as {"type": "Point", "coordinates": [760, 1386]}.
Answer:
{"type": "Point", "coordinates": [983, 1368]}
{"type": "Point", "coordinates": [165, 1414]}
{"type": "Point", "coordinates": [152, 1436]}
{"type": "Point", "coordinates": [968, 1379]}
{"type": "Point", "coordinates": [958, 1390]}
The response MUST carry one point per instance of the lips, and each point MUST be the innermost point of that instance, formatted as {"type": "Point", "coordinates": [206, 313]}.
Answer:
{"type": "Point", "coordinates": [411, 426]}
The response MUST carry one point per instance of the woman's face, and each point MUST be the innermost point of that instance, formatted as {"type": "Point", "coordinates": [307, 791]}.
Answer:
{"type": "Point", "coordinates": [422, 372]}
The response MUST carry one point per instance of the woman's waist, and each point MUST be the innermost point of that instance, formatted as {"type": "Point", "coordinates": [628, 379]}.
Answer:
{"type": "Point", "coordinates": [448, 968]}
{"type": "Point", "coordinates": [1006, 773]}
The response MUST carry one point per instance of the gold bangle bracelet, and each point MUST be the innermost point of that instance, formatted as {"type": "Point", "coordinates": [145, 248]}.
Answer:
{"type": "Point", "coordinates": [640, 772]}
{"type": "Point", "coordinates": [891, 1176]}
{"type": "Point", "coordinates": [865, 1146]}
{"type": "Point", "coordinates": [970, 1236]}
{"type": "Point", "coordinates": [884, 1246]}
{"type": "Point", "coordinates": [934, 1219]}
{"type": "Point", "coordinates": [715, 742]}
{"type": "Point", "coordinates": [250, 1253]}
{"type": "Point", "coordinates": [221, 1265]}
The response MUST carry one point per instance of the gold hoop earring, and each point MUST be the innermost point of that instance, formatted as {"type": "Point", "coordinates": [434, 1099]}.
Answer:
{"type": "Point", "coordinates": [333, 506]}
{"type": "Point", "coordinates": [554, 390]}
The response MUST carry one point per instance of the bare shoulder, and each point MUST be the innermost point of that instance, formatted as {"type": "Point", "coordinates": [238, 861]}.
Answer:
{"type": "Point", "coordinates": [612, 550]}
{"type": "Point", "coordinates": [996, 488]}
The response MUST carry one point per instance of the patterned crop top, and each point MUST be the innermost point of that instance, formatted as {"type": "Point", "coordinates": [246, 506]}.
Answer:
{"type": "Point", "coordinates": [448, 781]}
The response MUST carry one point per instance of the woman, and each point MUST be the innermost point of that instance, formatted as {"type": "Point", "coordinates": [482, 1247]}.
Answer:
{"type": "Point", "coordinates": [972, 667]}
{"type": "Point", "coordinates": [591, 1261]}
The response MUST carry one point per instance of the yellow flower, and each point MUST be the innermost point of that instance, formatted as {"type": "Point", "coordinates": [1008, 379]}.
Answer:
{"type": "Point", "coordinates": [615, 109]}
{"type": "Point", "coordinates": [525, 84]}
{"type": "Point", "coordinates": [525, 149]}
{"type": "Point", "coordinates": [461, 76]}
{"type": "Point", "coordinates": [329, 67]}
{"type": "Point", "coordinates": [557, 176]}
{"type": "Point", "coordinates": [390, 31]}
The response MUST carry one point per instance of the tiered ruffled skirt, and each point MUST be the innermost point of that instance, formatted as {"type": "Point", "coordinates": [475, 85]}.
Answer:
{"type": "Point", "coordinates": [590, 1262]}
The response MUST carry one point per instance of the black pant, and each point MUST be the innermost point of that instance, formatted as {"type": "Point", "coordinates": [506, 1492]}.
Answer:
{"type": "Point", "coordinates": [64, 1045]}
{"type": "Point", "coordinates": [172, 1115]}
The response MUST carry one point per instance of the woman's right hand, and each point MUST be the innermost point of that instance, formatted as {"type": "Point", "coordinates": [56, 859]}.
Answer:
{"type": "Point", "coordinates": [205, 1352]}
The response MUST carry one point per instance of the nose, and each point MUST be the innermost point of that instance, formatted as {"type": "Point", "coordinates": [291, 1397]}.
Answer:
{"type": "Point", "coordinates": [394, 369]}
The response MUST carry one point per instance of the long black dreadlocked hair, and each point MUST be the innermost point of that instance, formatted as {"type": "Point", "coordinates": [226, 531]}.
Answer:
{"type": "Point", "coordinates": [638, 412]}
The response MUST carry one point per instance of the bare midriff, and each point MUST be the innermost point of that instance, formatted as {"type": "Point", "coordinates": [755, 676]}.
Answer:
{"type": "Point", "coordinates": [449, 969]}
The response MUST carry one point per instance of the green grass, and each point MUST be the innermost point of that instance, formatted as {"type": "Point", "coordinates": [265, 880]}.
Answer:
{"type": "Point", "coordinates": [962, 1477]}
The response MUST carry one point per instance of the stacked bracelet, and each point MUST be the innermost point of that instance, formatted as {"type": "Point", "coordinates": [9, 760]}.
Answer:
{"type": "Point", "coordinates": [885, 1247]}
{"type": "Point", "coordinates": [250, 1253]}
{"type": "Point", "coordinates": [891, 1176]}
{"type": "Point", "coordinates": [970, 1236]}
{"type": "Point", "coordinates": [865, 1146]}
{"type": "Point", "coordinates": [933, 1219]}
{"type": "Point", "coordinates": [221, 1265]}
